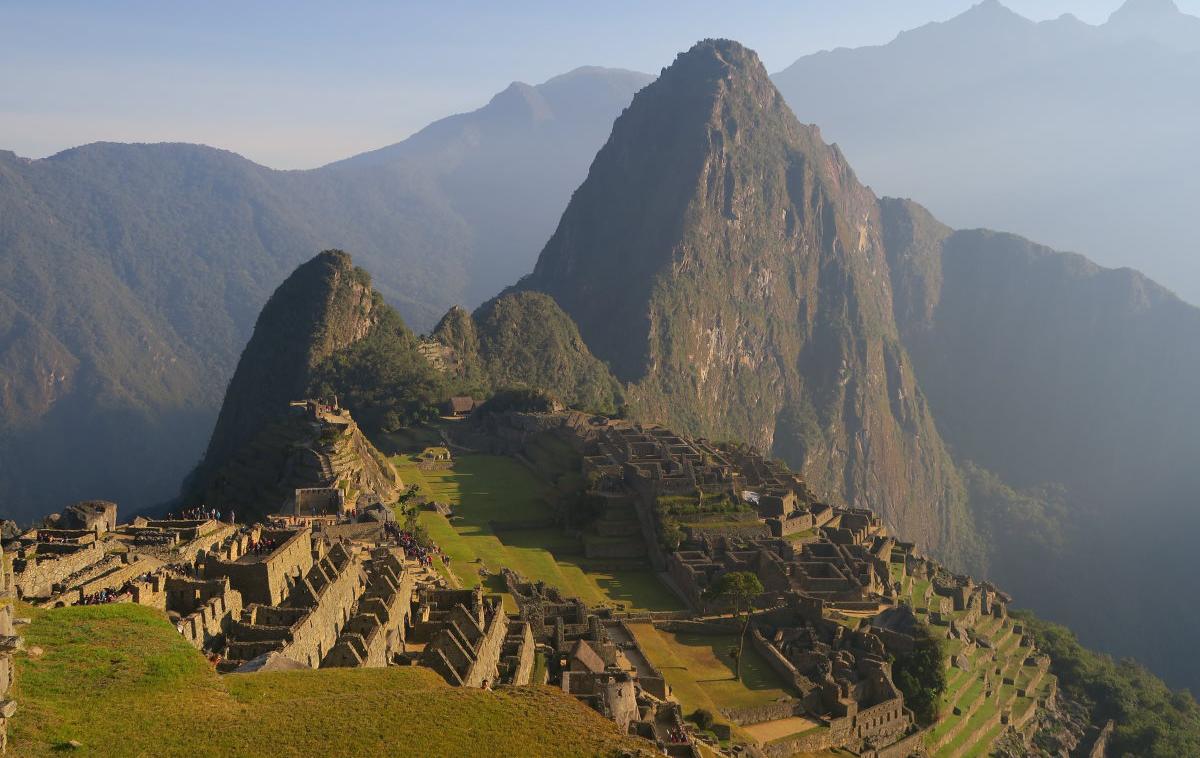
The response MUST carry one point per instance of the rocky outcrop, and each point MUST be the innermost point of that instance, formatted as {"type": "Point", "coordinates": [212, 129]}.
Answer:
{"type": "Point", "coordinates": [727, 264]}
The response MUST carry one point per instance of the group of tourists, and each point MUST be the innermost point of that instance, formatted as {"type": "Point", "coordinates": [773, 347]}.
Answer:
{"type": "Point", "coordinates": [200, 513]}
{"type": "Point", "coordinates": [112, 596]}
{"type": "Point", "coordinates": [103, 596]}
{"type": "Point", "coordinates": [677, 735]}
{"type": "Point", "coordinates": [262, 546]}
{"type": "Point", "coordinates": [415, 551]}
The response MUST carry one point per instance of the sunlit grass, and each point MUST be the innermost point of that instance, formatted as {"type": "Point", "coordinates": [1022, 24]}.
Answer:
{"type": "Point", "coordinates": [122, 682]}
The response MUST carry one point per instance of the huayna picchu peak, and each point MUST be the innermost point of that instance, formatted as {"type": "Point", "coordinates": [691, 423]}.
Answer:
{"type": "Point", "coordinates": [727, 264]}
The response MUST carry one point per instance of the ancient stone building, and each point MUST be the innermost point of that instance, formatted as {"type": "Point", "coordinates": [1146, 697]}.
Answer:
{"type": "Point", "coordinates": [304, 624]}
{"type": "Point", "coordinates": [376, 629]}
{"type": "Point", "coordinates": [265, 575]}
{"type": "Point", "coordinates": [10, 643]}
{"type": "Point", "coordinates": [464, 635]}
{"type": "Point", "coordinates": [314, 505]}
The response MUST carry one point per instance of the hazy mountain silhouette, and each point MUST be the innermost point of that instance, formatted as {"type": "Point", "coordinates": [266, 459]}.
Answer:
{"type": "Point", "coordinates": [1078, 136]}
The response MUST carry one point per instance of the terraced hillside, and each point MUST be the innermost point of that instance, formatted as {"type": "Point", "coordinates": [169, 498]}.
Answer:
{"type": "Point", "coordinates": [995, 681]}
{"type": "Point", "coordinates": [294, 452]}
{"type": "Point", "coordinates": [503, 518]}
{"type": "Point", "coordinates": [120, 681]}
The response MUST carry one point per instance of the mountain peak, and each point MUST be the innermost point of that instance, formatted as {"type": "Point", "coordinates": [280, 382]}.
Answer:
{"type": "Point", "coordinates": [717, 58]}
{"type": "Point", "coordinates": [520, 100]}
{"type": "Point", "coordinates": [1145, 8]}
{"type": "Point", "coordinates": [712, 232]}
{"type": "Point", "coordinates": [990, 12]}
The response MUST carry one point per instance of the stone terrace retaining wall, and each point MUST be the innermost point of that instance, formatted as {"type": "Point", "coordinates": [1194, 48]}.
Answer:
{"type": "Point", "coordinates": [212, 619]}
{"type": "Point", "coordinates": [757, 714]}
{"type": "Point", "coordinates": [317, 633]}
{"type": "Point", "coordinates": [37, 577]}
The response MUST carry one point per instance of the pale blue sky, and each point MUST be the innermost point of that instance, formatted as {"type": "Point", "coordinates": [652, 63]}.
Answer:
{"type": "Point", "coordinates": [297, 84]}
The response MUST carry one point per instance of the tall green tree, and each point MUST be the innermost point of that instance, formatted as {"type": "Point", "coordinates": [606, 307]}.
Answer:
{"type": "Point", "coordinates": [740, 588]}
{"type": "Point", "coordinates": [920, 674]}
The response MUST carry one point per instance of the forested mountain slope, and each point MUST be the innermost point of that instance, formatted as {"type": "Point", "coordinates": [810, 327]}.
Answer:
{"type": "Point", "coordinates": [133, 273]}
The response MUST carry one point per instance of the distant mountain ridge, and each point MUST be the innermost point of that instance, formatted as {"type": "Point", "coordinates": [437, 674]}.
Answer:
{"type": "Point", "coordinates": [133, 273]}
{"type": "Point", "coordinates": [1046, 368]}
{"type": "Point", "coordinates": [1076, 135]}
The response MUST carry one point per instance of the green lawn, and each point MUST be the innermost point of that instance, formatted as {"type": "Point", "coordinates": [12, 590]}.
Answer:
{"type": "Point", "coordinates": [487, 488]}
{"type": "Point", "coordinates": [700, 671]}
{"type": "Point", "coordinates": [121, 681]}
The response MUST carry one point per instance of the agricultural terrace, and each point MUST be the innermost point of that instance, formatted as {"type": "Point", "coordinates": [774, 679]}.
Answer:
{"type": "Point", "coordinates": [119, 680]}
{"type": "Point", "coordinates": [701, 672]}
{"type": "Point", "coordinates": [999, 687]}
{"type": "Point", "coordinates": [502, 518]}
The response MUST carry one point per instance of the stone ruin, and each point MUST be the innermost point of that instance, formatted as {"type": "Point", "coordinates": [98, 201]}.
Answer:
{"type": "Point", "coordinates": [313, 505]}
{"type": "Point", "coordinates": [464, 635]}
{"type": "Point", "coordinates": [843, 677]}
{"type": "Point", "coordinates": [10, 643]}
{"type": "Point", "coordinates": [597, 660]}
{"type": "Point", "coordinates": [834, 608]}
{"type": "Point", "coordinates": [240, 594]}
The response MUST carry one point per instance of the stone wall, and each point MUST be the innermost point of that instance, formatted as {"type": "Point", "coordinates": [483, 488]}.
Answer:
{"type": "Point", "coordinates": [205, 540]}
{"type": "Point", "coordinates": [812, 741]}
{"type": "Point", "coordinates": [329, 591]}
{"type": "Point", "coordinates": [465, 652]}
{"type": "Point", "coordinates": [37, 575]}
{"type": "Point", "coordinates": [518, 653]}
{"type": "Point", "coordinates": [265, 580]}
{"type": "Point", "coordinates": [913, 744]}
{"type": "Point", "coordinates": [309, 623]}
{"type": "Point", "coordinates": [748, 530]}
{"type": "Point", "coordinates": [208, 608]}
{"type": "Point", "coordinates": [775, 659]}
{"type": "Point", "coordinates": [796, 523]}
{"type": "Point", "coordinates": [9, 644]}
{"type": "Point", "coordinates": [114, 579]}
{"type": "Point", "coordinates": [756, 714]}
{"type": "Point", "coordinates": [376, 630]}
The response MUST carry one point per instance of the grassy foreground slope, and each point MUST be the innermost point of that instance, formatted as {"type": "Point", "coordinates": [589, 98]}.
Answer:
{"type": "Point", "coordinates": [120, 681]}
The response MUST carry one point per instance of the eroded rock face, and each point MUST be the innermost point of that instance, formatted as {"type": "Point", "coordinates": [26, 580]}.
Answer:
{"type": "Point", "coordinates": [727, 264]}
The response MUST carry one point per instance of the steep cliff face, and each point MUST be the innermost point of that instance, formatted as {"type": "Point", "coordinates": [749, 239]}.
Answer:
{"type": "Point", "coordinates": [726, 262]}
{"type": "Point", "coordinates": [324, 306]}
